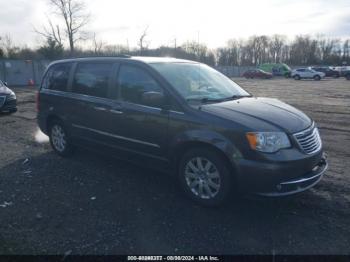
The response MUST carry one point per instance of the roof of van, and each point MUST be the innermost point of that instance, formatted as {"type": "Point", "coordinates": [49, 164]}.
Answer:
{"type": "Point", "coordinates": [144, 59]}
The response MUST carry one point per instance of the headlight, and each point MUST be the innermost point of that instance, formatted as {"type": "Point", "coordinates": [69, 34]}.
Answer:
{"type": "Point", "coordinates": [12, 96]}
{"type": "Point", "coordinates": [268, 142]}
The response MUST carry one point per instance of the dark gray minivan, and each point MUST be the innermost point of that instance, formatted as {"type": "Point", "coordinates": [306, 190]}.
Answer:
{"type": "Point", "coordinates": [185, 118]}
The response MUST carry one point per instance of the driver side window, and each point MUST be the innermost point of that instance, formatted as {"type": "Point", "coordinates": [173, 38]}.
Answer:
{"type": "Point", "coordinates": [133, 82]}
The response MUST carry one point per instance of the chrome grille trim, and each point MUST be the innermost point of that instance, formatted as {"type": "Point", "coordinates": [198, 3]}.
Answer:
{"type": "Point", "coordinates": [309, 140]}
{"type": "Point", "coordinates": [2, 100]}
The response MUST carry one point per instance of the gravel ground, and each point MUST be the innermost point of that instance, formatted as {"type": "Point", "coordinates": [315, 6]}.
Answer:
{"type": "Point", "coordinates": [93, 204]}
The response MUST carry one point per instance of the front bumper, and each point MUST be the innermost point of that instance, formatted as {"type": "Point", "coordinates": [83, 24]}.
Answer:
{"type": "Point", "coordinates": [9, 105]}
{"type": "Point", "coordinates": [301, 184]}
{"type": "Point", "coordinates": [272, 178]}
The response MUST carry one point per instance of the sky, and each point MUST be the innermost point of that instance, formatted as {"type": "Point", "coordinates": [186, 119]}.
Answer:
{"type": "Point", "coordinates": [212, 22]}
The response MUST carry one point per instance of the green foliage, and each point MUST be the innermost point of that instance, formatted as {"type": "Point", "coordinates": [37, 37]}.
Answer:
{"type": "Point", "coordinates": [52, 50]}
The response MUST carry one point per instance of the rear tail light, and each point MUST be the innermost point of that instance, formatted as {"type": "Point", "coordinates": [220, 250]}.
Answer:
{"type": "Point", "coordinates": [37, 99]}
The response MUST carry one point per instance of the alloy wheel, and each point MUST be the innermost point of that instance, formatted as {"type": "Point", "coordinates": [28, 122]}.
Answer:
{"type": "Point", "coordinates": [202, 178]}
{"type": "Point", "coordinates": [58, 137]}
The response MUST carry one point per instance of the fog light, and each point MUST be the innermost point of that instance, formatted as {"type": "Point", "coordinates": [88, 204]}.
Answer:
{"type": "Point", "coordinates": [315, 168]}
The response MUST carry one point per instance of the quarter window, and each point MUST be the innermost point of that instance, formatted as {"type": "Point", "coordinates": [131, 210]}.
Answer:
{"type": "Point", "coordinates": [57, 77]}
{"type": "Point", "coordinates": [133, 82]}
{"type": "Point", "coordinates": [92, 79]}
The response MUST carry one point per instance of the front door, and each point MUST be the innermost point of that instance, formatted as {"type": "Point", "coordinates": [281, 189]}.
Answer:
{"type": "Point", "coordinates": [143, 128]}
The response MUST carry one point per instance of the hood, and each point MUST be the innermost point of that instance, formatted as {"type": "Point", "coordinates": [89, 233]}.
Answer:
{"type": "Point", "coordinates": [261, 114]}
{"type": "Point", "coordinates": [5, 90]}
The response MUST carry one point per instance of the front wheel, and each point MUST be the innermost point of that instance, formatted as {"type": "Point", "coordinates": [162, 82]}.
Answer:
{"type": "Point", "coordinates": [317, 77]}
{"type": "Point", "coordinates": [205, 177]}
{"type": "Point", "coordinates": [296, 77]}
{"type": "Point", "coordinates": [59, 139]}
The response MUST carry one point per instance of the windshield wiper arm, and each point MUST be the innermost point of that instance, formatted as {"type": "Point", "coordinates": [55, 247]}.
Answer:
{"type": "Point", "coordinates": [208, 100]}
{"type": "Point", "coordinates": [234, 97]}
{"type": "Point", "coordinates": [205, 100]}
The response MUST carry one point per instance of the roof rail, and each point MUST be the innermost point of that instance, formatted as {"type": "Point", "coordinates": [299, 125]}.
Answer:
{"type": "Point", "coordinates": [102, 56]}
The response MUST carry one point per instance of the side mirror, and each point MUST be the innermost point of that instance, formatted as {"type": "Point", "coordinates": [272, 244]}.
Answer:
{"type": "Point", "coordinates": [154, 99]}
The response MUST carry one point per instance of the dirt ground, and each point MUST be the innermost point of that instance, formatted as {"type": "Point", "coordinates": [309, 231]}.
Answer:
{"type": "Point", "coordinates": [93, 204]}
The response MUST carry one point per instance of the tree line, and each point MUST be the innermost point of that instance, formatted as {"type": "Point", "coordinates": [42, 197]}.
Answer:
{"type": "Point", "coordinates": [60, 41]}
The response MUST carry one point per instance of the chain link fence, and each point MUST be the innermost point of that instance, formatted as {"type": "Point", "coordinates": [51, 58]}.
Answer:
{"type": "Point", "coordinates": [22, 72]}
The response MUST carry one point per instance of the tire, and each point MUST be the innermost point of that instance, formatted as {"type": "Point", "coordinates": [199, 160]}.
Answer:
{"type": "Point", "coordinates": [317, 78]}
{"type": "Point", "coordinates": [347, 76]}
{"type": "Point", "coordinates": [211, 188]}
{"type": "Point", "coordinates": [59, 139]}
{"type": "Point", "coordinates": [296, 77]}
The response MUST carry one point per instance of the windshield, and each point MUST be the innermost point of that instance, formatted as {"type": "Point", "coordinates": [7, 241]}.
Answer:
{"type": "Point", "coordinates": [196, 81]}
{"type": "Point", "coordinates": [287, 67]}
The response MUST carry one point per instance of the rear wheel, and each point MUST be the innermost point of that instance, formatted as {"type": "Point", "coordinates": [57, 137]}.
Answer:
{"type": "Point", "coordinates": [59, 139]}
{"type": "Point", "coordinates": [205, 177]}
{"type": "Point", "coordinates": [317, 77]}
{"type": "Point", "coordinates": [297, 77]}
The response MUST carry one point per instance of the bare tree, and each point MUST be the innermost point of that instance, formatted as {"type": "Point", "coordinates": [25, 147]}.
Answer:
{"type": "Point", "coordinates": [259, 46]}
{"type": "Point", "coordinates": [51, 33]}
{"type": "Point", "coordinates": [346, 49]}
{"type": "Point", "coordinates": [326, 46]}
{"type": "Point", "coordinates": [98, 45]}
{"type": "Point", "coordinates": [142, 44]}
{"type": "Point", "coordinates": [10, 50]}
{"type": "Point", "coordinates": [276, 44]}
{"type": "Point", "coordinates": [113, 50]}
{"type": "Point", "coordinates": [75, 17]}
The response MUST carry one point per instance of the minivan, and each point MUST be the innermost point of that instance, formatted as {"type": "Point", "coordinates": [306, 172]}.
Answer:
{"type": "Point", "coordinates": [184, 118]}
{"type": "Point", "coordinates": [277, 69]}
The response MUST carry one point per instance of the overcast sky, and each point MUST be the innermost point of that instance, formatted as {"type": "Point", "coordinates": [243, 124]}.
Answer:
{"type": "Point", "coordinates": [216, 21]}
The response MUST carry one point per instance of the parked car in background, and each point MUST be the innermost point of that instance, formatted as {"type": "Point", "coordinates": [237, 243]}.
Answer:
{"type": "Point", "coordinates": [343, 70]}
{"type": "Point", "coordinates": [8, 100]}
{"type": "Point", "coordinates": [185, 118]}
{"type": "Point", "coordinates": [257, 73]}
{"type": "Point", "coordinates": [347, 74]}
{"type": "Point", "coordinates": [306, 73]}
{"type": "Point", "coordinates": [276, 69]}
{"type": "Point", "coordinates": [329, 72]}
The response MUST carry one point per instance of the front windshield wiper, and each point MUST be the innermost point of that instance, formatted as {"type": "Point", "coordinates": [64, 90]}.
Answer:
{"type": "Point", "coordinates": [234, 97]}
{"type": "Point", "coordinates": [205, 100]}
{"type": "Point", "coordinates": [217, 100]}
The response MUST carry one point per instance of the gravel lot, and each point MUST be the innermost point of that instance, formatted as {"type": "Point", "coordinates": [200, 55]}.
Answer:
{"type": "Point", "coordinates": [93, 204]}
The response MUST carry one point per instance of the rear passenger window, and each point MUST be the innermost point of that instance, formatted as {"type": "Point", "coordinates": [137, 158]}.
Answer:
{"type": "Point", "coordinates": [57, 77]}
{"type": "Point", "coordinates": [92, 79]}
{"type": "Point", "coordinates": [133, 82]}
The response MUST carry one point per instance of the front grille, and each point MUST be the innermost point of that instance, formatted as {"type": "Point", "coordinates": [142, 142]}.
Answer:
{"type": "Point", "coordinates": [309, 140]}
{"type": "Point", "coordinates": [2, 100]}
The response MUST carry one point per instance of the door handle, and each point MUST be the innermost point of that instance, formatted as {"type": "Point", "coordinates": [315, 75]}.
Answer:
{"type": "Point", "coordinates": [100, 108]}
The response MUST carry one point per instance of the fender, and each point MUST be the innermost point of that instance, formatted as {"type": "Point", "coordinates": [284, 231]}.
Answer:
{"type": "Point", "coordinates": [206, 137]}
